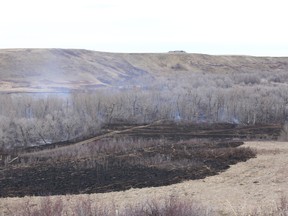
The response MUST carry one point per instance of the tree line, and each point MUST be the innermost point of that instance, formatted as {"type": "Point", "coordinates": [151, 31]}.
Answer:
{"type": "Point", "coordinates": [27, 120]}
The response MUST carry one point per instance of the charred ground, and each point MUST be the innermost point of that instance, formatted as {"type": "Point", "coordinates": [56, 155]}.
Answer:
{"type": "Point", "coordinates": [134, 157]}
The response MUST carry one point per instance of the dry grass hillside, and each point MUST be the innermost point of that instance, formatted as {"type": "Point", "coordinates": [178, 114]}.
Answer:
{"type": "Point", "coordinates": [60, 70]}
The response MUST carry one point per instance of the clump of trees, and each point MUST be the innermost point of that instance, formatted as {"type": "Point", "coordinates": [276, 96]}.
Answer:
{"type": "Point", "coordinates": [250, 98]}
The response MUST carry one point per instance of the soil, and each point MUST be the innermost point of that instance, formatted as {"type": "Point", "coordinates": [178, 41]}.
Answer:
{"type": "Point", "coordinates": [152, 166]}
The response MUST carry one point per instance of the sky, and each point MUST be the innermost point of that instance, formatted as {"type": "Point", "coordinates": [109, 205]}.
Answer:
{"type": "Point", "coordinates": [234, 27]}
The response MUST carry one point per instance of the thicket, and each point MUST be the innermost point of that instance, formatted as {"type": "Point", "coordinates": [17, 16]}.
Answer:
{"type": "Point", "coordinates": [237, 98]}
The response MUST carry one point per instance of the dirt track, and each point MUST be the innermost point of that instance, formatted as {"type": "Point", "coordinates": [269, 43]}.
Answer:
{"type": "Point", "coordinates": [258, 182]}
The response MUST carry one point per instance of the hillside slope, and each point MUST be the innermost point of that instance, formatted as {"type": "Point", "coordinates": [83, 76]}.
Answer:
{"type": "Point", "coordinates": [65, 69]}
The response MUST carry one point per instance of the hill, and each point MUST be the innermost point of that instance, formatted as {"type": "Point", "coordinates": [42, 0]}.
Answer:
{"type": "Point", "coordinates": [62, 70]}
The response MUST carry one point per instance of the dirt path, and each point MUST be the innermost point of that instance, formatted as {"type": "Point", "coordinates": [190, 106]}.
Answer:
{"type": "Point", "coordinates": [258, 182]}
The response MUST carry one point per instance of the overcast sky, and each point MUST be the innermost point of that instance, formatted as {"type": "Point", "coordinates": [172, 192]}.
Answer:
{"type": "Point", "coordinates": [250, 27]}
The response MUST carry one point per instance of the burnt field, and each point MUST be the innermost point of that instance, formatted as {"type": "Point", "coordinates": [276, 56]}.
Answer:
{"type": "Point", "coordinates": [129, 156]}
{"type": "Point", "coordinates": [214, 131]}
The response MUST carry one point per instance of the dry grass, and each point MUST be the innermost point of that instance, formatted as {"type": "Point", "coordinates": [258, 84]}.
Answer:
{"type": "Point", "coordinates": [85, 206]}
{"type": "Point", "coordinates": [169, 206]}
{"type": "Point", "coordinates": [279, 208]}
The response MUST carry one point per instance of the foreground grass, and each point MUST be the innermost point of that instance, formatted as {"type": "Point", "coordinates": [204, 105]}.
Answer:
{"type": "Point", "coordinates": [85, 206]}
{"type": "Point", "coordinates": [171, 206]}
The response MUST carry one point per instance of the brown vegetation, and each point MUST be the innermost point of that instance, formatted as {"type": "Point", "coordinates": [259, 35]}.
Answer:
{"type": "Point", "coordinates": [170, 206]}
{"type": "Point", "coordinates": [87, 207]}
{"type": "Point", "coordinates": [27, 121]}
